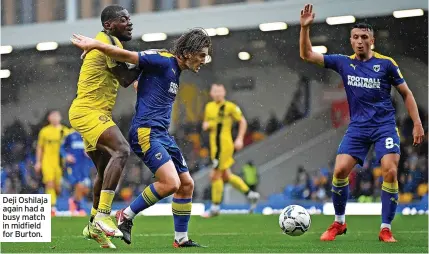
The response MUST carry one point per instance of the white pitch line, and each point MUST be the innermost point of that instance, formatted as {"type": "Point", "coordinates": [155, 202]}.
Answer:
{"type": "Point", "coordinates": [254, 233]}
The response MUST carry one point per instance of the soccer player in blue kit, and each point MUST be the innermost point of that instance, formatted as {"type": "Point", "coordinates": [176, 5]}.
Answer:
{"type": "Point", "coordinates": [149, 137]}
{"type": "Point", "coordinates": [368, 77]}
{"type": "Point", "coordinates": [78, 166]}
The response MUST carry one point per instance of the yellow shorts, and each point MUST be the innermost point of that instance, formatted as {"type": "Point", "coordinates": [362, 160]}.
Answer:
{"type": "Point", "coordinates": [52, 174]}
{"type": "Point", "coordinates": [224, 160]}
{"type": "Point", "coordinates": [90, 124]}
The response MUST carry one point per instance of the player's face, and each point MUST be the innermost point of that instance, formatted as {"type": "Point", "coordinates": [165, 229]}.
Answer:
{"type": "Point", "coordinates": [54, 118]}
{"type": "Point", "coordinates": [195, 61]}
{"type": "Point", "coordinates": [217, 93]}
{"type": "Point", "coordinates": [121, 27]}
{"type": "Point", "coordinates": [361, 40]}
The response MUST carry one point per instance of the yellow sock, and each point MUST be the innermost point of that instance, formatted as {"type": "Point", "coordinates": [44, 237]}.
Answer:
{"type": "Point", "coordinates": [238, 183]}
{"type": "Point", "coordinates": [53, 194]}
{"type": "Point", "coordinates": [106, 199]}
{"type": "Point", "coordinates": [390, 187]}
{"type": "Point", "coordinates": [217, 191]}
{"type": "Point", "coordinates": [93, 211]}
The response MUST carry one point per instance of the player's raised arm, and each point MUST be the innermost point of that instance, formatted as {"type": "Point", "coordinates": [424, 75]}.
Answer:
{"type": "Point", "coordinates": [87, 44]}
{"type": "Point", "coordinates": [305, 48]}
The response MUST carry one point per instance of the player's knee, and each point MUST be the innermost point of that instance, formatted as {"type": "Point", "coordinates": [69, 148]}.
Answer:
{"type": "Point", "coordinates": [50, 184]}
{"type": "Point", "coordinates": [225, 177]}
{"type": "Point", "coordinates": [188, 186]}
{"type": "Point", "coordinates": [215, 175]}
{"type": "Point", "coordinates": [123, 151]}
{"type": "Point", "coordinates": [389, 173]}
{"type": "Point", "coordinates": [172, 184]}
{"type": "Point", "coordinates": [341, 172]}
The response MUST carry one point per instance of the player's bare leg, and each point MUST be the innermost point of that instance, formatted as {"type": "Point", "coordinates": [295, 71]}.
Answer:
{"type": "Point", "coordinates": [344, 164]}
{"type": "Point", "coordinates": [216, 192]}
{"type": "Point", "coordinates": [80, 190]}
{"type": "Point", "coordinates": [50, 189]}
{"type": "Point", "coordinates": [167, 184]}
{"type": "Point", "coordinates": [181, 207]}
{"type": "Point", "coordinates": [100, 159]}
{"type": "Point", "coordinates": [113, 142]}
{"type": "Point", "coordinates": [389, 195]}
{"type": "Point", "coordinates": [238, 183]}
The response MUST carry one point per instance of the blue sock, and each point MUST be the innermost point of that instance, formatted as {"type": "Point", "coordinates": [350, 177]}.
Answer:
{"type": "Point", "coordinates": [148, 198]}
{"type": "Point", "coordinates": [340, 193]}
{"type": "Point", "coordinates": [389, 202]}
{"type": "Point", "coordinates": [181, 208]}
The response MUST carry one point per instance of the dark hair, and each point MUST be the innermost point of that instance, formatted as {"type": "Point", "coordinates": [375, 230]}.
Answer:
{"type": "Point", "coordinates": [110, 12]}
{"type": "Point", "coordinates": [192, 42]}
{"type": "Point", "coordinates": [363, 25]}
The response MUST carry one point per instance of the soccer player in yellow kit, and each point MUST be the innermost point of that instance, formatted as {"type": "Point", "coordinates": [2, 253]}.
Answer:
{"type": "Point", "coordinates": [91, 115]}
{"type": "Point", "coordinates": [48, 155]}
{"type": "Point", "coordinates": [219, 117]}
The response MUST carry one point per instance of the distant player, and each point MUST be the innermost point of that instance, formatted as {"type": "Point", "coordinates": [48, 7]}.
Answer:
{"type": "Point", "coordinates": [149, 137]}
{"type": "Point", "coordinates": [368, 77]}
{"type": "Point", "coordinates": [219, 118]}
{"type": "Point", "coordinates": [77, 170]}
{"type": "Point", "coordinates": [48, 155]}
{"type": "Point", "coordinates": [91, 115]}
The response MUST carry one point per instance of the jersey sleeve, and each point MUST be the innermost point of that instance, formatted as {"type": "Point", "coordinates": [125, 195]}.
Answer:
{"type": "Point", "coordinates": [152, 59]}
{"type": "Point", "coordinates": [212, 124]}
{"type": "Point", "coordinates": [236, 112]}
{"type": "Point", "coordinates": [333, 61]}
{"type": "Point", "coordinates": [395, 75]}
{"type": "Point", "coordinates": [64, 146]}
{"type": "Point", "coordinates": [42, 137]}
{"type": "Point", "coordinates": [111, 40]}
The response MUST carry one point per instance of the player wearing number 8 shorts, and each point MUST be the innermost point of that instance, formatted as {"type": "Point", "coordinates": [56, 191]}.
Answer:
{"type": "Point", "coordinates": [368, 78]}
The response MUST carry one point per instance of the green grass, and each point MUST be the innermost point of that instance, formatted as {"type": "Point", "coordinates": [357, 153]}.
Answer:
{"type": "Point", "coordinates": [239, 233]}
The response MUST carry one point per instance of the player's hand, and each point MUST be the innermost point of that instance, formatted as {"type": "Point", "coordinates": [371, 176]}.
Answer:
{"type": "Point", "coordinates": [136, 85]}
{"type": "Point", "coordinates": [70, 159]}
{"type": "Point", "coordinates": [418, 134]}
{"type": "Point", "coordinates": [37, 167]}
{"type": "Point", "coordinates": [307, 15]}
{"type": "Point", "coordinates": [206, 125]}
{"type": "Point", "coordinates": [238, 144]}
{"type": "Point", "coordinates": [85, 43]}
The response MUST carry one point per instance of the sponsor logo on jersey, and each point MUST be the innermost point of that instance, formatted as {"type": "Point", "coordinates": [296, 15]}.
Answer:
{"type": "Point", "coordinates": [173, 88]}
{"type": "Point", "coordinates": [373, 83]}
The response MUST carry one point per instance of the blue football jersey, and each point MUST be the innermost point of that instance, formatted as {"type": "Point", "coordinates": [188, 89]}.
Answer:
{"type": "Point", "coordinates": [368, 85]}
{"type": "Point", "coordinates": [157, 88]}
{"type": "Point", "coordinates": [73, 144]}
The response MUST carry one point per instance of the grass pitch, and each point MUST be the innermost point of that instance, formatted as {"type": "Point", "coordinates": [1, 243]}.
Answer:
{"type": "Point", "coordinates": [238, 233]}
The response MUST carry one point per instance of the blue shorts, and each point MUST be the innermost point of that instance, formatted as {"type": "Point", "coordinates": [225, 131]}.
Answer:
{"type": "Point", "coordinates": [156, 147]}
{"type": "Point", "coordinates": [78, 173]}
{"type": "Point", "coordinates": [358, 140]}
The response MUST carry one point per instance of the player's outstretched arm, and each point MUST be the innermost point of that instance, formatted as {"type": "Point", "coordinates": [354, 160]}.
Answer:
{"type": "Point", "coordinates": [242, 128]}
{"type": "Point", "coordinates": [413, 111]}
{"type": "Point", "coordinates": [305, 48]}
{"type": "Point", "coordinates": [87, 44]}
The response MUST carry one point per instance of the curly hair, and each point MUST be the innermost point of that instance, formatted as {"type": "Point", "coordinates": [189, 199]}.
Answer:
{"type": "Point", "coordinates": [192, 42]}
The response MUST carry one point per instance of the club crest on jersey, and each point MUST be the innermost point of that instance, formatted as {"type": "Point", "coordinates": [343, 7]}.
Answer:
{"type": "Point", "coordinates": [376, 67]}
{"type": "Point", "coordinates": [158, 156]}
{"type": "Point", "coordinates": [173, 88]}
{"type": "Point", "coordinates": [103, 118]}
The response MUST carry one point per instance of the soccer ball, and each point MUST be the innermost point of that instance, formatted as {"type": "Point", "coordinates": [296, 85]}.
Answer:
{"type": "Point", "coordinates": [294, 220]}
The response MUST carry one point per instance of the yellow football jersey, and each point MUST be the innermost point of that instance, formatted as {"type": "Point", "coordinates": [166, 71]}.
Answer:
{"type": "Point", "coordinates": [50, 138]}
{"type": "Point", "coordinates": [97, 86]}
{"type": "Point", "coordinates": [221, 117]}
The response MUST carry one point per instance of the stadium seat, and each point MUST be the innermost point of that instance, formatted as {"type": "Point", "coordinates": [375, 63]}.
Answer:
{"type": "Point", "coordinates": [422, 189]}
{"type": "Point", "coordinates": [405, 198]}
